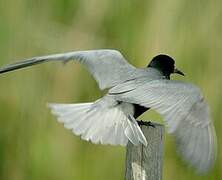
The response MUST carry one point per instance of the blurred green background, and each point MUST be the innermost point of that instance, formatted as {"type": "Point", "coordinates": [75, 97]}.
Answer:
{"type": "Point", "coordinates": [33, 145]}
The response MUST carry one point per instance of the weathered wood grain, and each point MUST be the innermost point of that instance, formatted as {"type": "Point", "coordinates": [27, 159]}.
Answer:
{"type": "Point", "coordinates": [145, 163]}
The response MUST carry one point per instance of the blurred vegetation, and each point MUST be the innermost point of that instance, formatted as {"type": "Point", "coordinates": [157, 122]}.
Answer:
{"type": "Point", "coordinates": [33, 145]}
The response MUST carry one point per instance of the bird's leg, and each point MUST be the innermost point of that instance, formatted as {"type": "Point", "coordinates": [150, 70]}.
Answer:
{"type": "Point", "coordinates": [146, 123]}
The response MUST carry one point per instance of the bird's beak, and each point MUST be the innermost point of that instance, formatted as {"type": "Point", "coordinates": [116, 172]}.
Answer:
{"type": "Point", "coordinates": [177, 71]}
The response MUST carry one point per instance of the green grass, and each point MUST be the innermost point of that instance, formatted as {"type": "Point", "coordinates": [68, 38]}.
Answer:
{"type": "Point", "coordinates": [32, 144]}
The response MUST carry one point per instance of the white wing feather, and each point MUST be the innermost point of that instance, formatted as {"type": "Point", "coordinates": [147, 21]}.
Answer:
{"type": "Point", "coordinates": [100, 122]}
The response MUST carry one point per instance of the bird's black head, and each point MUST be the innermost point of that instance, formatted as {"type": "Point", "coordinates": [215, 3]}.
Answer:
{"type": "Point", "coordinates": [164, 64]}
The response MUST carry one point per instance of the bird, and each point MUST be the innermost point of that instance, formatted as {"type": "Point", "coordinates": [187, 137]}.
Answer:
{"type": "Point", "coordinates": [131, 91]}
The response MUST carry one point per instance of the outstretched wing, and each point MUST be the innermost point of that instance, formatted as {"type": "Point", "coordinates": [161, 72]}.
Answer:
{"type": "Point", "coordinates": [108, 67]}
{"type": "Point", "coordinates": [186, 114]}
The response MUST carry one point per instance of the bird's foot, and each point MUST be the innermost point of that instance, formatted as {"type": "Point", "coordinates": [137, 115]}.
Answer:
{"type": "Point", "coordinates": [146, 123]}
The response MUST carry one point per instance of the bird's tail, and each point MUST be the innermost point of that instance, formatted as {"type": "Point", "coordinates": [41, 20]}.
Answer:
{"type": "Point", "coordinates": [99, 125]}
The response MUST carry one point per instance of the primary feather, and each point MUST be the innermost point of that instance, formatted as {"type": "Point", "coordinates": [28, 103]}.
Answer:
{"type": "Point", "coordinates": [102, 64]}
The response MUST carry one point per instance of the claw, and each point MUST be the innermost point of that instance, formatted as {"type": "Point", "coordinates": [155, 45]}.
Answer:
{"type": "Point", "coordinates": [146, 123]}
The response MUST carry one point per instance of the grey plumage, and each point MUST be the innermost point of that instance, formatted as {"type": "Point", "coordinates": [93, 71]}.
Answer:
{"type": "Point", "coordinates": [110, 120]}
{"type": "Point", "coordinates": [186, 114]}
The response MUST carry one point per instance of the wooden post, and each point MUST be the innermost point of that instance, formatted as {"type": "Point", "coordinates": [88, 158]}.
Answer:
{"type": "Point", "coordinates": [146, 163]}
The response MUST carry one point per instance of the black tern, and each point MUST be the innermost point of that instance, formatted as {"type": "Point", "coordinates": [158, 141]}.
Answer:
{"type": "Point", "coordinates": [132, 91]}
